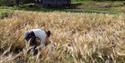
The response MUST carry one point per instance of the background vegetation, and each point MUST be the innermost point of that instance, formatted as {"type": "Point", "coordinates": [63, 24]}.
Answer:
{"type": "Point", "coordinates": [13, 2]}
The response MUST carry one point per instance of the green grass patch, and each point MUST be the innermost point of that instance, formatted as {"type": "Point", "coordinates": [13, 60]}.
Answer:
{"type": "Point", "coordinates": [4, 12]}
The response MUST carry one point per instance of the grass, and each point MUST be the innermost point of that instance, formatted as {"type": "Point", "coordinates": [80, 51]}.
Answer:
{"type": "Point", "coordinates": [107, 7]}
{"type": "Point", "coordinates": [4, 12]}
{"type": "Point", "coordinates": [79, 37]}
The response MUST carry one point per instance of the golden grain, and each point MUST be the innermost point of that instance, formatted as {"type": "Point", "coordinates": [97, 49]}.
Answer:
{"type": "Point", "coordinates": [91, 37]}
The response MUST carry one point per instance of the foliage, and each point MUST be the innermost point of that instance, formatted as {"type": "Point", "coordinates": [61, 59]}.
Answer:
{"type": "Point", "coordinates": [14, 2]}
{"type": "Point", "coordinates": [27, 1]}
{"type": "Point", "coordinates": [97, 0]}
{"type": "Point", "coordinates": [7, 2]}
{"type": "Point", "coordinates": [5, 13]}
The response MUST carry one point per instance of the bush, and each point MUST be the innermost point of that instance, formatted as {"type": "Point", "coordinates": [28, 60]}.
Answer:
{"type": "Point", "coordinates": [7, 2]}
{"type": "Point", "coordinates": [27, 1]}
{"type": "Point", "coordinates": [14, 2]}
{"type": "Point", "coordinates": [5, 13]}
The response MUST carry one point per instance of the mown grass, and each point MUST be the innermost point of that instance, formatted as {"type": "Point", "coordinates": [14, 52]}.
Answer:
{"type": "Point", "coordinates": [78, 37]}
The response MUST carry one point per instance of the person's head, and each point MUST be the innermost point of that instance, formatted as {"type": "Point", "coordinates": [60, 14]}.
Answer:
{"type": "Point", "coordinates": [48, 33]}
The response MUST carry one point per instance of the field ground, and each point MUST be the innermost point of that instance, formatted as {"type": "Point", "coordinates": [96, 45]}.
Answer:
{"type": "Point", "coordinates": [79, 37]}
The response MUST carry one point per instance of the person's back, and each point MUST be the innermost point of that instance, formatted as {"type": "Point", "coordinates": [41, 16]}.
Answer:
{"type": "Point", "coordinates": [41, 34]}
{"type": "Point", "coordinates": [37, 38]}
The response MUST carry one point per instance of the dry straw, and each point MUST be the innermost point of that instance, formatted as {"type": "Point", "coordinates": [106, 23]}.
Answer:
{"type": "Point", "coordinates": [79, 37]}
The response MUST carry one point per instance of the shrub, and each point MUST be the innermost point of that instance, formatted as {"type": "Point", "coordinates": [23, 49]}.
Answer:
{"type": "Point", "coordinates": [7, 2]}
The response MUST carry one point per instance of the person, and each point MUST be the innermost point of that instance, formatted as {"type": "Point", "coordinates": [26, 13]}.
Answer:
{"type": "Point", "coordinates": [37, 38]}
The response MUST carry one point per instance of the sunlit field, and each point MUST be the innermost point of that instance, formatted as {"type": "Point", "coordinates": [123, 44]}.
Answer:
{"type": "Point", "coordinates": [78, 37]}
